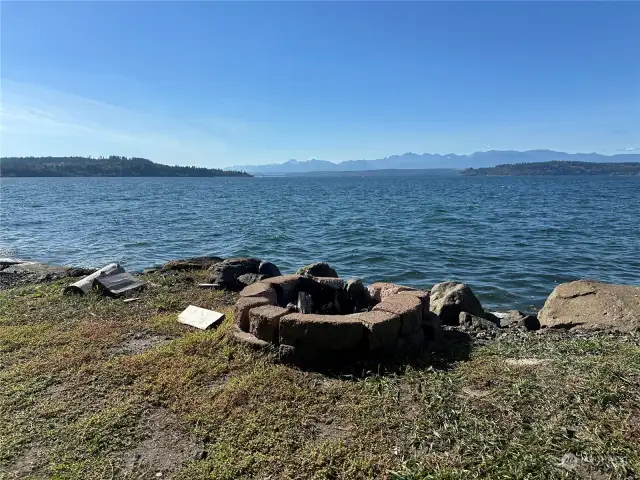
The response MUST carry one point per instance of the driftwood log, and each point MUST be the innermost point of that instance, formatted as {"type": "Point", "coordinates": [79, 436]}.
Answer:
{"type": "Point", "coordinates": [84, 285]}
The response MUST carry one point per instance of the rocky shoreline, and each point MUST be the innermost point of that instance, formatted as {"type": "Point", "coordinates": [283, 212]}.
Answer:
{"type": "Point", "coordinates": [574, 306]}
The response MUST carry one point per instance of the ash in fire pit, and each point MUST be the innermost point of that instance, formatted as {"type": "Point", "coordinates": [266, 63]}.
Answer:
{"type": "Point", "coordinates": [316, 319]}
{"type": "Point", "coordinates": [331, 296]}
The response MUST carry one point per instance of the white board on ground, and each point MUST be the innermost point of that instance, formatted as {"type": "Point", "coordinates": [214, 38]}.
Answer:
{"type": "Point", "coordinates": [200, 317]}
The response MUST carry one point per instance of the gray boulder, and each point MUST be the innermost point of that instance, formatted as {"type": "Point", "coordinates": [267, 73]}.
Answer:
{"type": "Point", "coordinates": [448, 299]}
{"type": "Point", "coordinates": [250, 278]}
{"type": "Point", "coordinates": [355, 286]}
{"type": "Point", "coordinates": [269, 270]}
{"type": "Point", "coordinates": [515, 318]}
{"type": "Point", "coordinates": [226, 273]}
{"type": "Point", "coordinates": [318, 269]}
{"type": "Point", "coordinates": [193, 263]}
{"type": "Point", "coordinates": [592, 305]}
{"type": "Point", "coordinates": [472, 322]}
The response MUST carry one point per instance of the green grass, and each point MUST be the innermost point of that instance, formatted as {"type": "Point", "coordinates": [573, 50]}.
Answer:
{"type": "Point", "coordinates": [96, 388]}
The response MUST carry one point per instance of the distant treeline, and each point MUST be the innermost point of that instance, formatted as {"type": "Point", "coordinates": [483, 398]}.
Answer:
{"type": "Point", "coordinates": [112, 166]}
{"type": "Point", "coordinates": [558, 168]}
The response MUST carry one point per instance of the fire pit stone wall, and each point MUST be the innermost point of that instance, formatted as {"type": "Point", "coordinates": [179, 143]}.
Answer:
{"type": "Point", "coordinates": [325, 319]}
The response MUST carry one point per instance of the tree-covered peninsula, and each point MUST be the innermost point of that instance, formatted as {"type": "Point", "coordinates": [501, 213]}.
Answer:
{"type": "Point", "coordinates": [557, 168]}
{"type": "Point", "coordinates": [113, 166]}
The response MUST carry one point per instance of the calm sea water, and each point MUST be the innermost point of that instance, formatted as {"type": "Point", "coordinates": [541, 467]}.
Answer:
{"type": "Point", "coordinates": [511, 238]}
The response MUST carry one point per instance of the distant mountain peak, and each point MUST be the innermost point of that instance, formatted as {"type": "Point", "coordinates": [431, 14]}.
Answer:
{"type": "Point", "coordinates": [415, 161]}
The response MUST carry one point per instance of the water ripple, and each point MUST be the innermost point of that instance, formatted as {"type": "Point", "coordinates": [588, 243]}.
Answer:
{"type": "Point", "coordinates": [511, 239]}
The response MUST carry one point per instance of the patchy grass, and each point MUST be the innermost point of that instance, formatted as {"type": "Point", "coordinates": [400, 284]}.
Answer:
{"type": "Point", "coordinates": [96, 388]}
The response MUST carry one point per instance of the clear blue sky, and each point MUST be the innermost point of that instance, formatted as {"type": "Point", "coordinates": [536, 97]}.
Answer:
{"type": "Point", "coordinates": [218, 84]}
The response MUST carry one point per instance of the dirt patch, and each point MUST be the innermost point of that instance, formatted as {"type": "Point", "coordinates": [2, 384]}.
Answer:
{"type": "Point", "coordinates": [139, 343]}
{"type": "Point", "coordinates": [526, 362]}
{"type": "Point", "coordinates": [476, 393]}
{"type": "Point", "coordinates": [164, 448]}
{"type": "Point", "coordinates": [331, 429]}
{"type": "Point", "coordinates": [26, 465]}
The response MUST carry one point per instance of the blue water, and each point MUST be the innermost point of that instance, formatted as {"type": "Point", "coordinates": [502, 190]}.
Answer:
{"type": "Point", "coordinates": [511, 238]}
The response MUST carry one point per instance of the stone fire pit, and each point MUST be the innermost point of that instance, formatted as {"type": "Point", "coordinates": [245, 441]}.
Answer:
{"type": "Point", "coordinates": [322, 320]}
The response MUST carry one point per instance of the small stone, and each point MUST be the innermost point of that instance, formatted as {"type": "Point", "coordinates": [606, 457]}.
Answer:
{"type": "Point", "coordinates": [473, 322]}
{"type": "Point", "coordinates": [515, 318]}
{"type": "Point", "coordinates": [201, 455]}
{"type": "Point", "coordinates": [569, 462]}
{"type": "Point", "coordinates": [250, 278]}
{"type": "Point", "coordinates": [510, 318]}
{"type": "Point", "coordinates": [531, 322]}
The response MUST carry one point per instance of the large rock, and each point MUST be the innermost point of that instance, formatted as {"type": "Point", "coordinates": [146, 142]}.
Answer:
{"type": "Point", "coordinates": [250, 278]}
{"type": "Point", "coordinates": [448, 299]}
{"type": "Point", "coordinates": [226, 273]}
{"type": "Point", "coordinates": [269, 269]}
{"type": "Point", "coordinates": [193, 263]}
{"type": "Point", "coordinates": [318, 269]}
{"type": "Point", "coordinates": [589, 304]}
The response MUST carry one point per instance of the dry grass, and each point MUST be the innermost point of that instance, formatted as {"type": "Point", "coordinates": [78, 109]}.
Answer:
{"type": "Point", "coordinates": [96, 388]}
